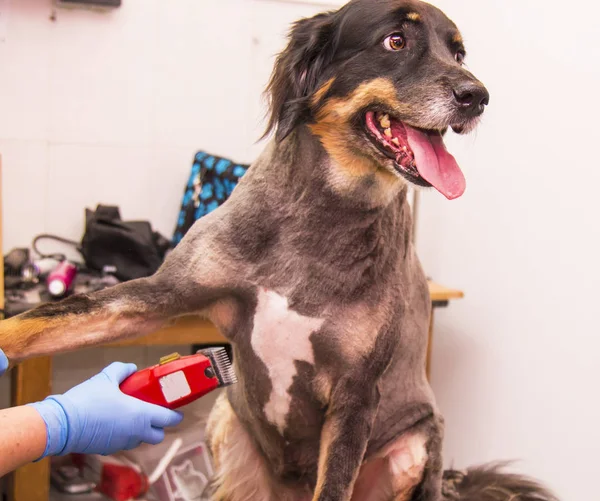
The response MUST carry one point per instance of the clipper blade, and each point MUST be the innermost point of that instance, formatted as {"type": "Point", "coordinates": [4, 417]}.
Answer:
{"type": "Point", "coordinates": [222, 365]}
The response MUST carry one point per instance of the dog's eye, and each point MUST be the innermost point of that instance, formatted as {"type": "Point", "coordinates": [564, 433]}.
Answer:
{"type": "Point", "coordinates": [460, 57]}
{"type": "Point", "coordinates": [394, 42]}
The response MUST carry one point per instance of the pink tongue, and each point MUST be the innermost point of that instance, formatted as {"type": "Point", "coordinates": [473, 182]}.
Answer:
{"type": "Point", "coordinates": [435, 164]}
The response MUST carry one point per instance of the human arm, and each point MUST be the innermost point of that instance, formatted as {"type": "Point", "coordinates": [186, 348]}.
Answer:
{"type": "Point", "coordinates": [94, 417]}
{"type": "Point", "coordinates": [22, 433]}
{"type": "Point", "coordinates": [22, 437]}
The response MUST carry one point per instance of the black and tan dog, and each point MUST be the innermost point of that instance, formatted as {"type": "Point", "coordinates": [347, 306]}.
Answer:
{"type": "Point", "coordinates": [309, 270]}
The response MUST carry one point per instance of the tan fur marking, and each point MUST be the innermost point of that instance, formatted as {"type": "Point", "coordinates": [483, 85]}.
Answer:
{"type": "Point", "coordinates": [334, 130]}
{"type": "Point", "coordinates": [222, 314]}
{"type": "Point", "coordinates": [343, 108]}
{"type": "Point", "coordinates": [240, 474]}
{"type": "Point", "coordinates": [414, 16]}
{"type": "Point", "coordinates": [240, 471]}
{"type": "Point", "coordinates": [25, 338]}
{"type": "Point", "coordinates": [321, 91]}
{"type": "Point", "coordinates": [16, 335]}
{"type": "Point", "coordinates": [328, 433]}
{"type": "Point", "coordinates": [457, 38]}
{"type": "Point", "coordinates": [323, 386]}
{"type": "Point", "coordinates": [362, 323]}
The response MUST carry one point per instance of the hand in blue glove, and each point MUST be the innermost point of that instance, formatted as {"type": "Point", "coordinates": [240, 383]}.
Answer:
{"type": "Point", "coordinates": [95, 417]}
{"type": "Point", "coordinates": [3, 363]}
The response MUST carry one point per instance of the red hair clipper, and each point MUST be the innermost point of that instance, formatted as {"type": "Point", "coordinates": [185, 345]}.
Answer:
{"type": "Point", "coordinates": [176, 381]}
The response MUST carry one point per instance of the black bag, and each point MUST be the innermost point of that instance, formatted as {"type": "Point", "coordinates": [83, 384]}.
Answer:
{"type": "Point", "coordinates": [131, 247]}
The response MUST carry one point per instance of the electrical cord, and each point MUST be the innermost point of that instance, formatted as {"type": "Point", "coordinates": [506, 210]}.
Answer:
{"type": "Point", "coordinates": [56, 256]}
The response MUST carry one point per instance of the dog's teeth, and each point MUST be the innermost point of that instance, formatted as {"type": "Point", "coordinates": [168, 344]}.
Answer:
{"type": "Point", "coordinates": [396, 141]}
{"type": "Point", "coordinates": [388, 132]}
{"type": "Point", "coordinates": [404, 149]}
{"type": "Point", "coordinates": [385, 121]}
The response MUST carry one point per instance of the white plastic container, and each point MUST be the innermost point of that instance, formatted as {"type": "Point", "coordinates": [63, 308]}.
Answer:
{"type": "Point", "coordinates": [188, 474]}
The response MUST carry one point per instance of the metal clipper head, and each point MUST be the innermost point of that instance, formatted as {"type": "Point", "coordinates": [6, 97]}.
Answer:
{"type": "Point", "coordinates": [221, 364]}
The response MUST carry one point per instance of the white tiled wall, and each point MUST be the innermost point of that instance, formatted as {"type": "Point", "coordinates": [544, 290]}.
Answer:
{"type": "Point", "coordinates": [109, 107]}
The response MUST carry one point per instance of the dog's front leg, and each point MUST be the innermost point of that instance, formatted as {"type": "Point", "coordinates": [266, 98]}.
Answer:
{"type": "Point", "coordinates": [197, 274]}
{"type": "Point", "coordinates": [127, 310]}
{"type": "Point", "coordinates": [347, 428]}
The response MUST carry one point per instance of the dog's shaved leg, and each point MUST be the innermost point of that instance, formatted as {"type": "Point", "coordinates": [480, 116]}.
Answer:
{"type": "Point", "coordinates": [349, 421]}
{"type": "Point", "coordinates": [193, 277]}
{"type": "Point", "coordinates": [344, 437]}
{"type": "Point", "coordinates": [129, 309]}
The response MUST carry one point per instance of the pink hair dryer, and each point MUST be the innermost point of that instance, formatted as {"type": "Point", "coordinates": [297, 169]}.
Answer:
{"type": "Point", "coordinates": [60, 280]}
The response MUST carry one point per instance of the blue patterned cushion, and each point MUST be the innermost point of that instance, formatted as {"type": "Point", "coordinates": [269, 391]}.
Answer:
{"type": "Point", "coordinates": [210, 183]}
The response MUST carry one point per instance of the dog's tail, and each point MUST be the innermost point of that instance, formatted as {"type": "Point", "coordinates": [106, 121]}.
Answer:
{"type": "Point", "coordinates": [490, 483]}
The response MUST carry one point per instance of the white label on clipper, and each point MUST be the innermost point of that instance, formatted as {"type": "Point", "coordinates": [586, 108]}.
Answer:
{"type": "Point", "coordinates": [175, 386]}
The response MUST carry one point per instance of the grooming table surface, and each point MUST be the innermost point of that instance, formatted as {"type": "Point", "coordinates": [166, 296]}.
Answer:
{"type": "Point", "coordinates": [32, 382]}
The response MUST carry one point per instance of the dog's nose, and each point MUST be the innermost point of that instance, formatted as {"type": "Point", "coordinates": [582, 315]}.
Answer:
{"type": "Point", "coordinates": [471, 97]}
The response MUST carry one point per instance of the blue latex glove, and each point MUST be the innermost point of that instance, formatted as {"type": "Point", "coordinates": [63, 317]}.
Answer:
{"type": "Point", "coordinates": [95, 417]}
{"type": "Point", "coordinates": [3, 363]}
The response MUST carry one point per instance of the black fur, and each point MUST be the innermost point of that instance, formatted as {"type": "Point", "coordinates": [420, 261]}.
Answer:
{"type": "Point", "coordinates": [489, 483]}
{"type": "Point", "coordinates": [346, 45]}
{"type": "Point", "coordinates": [73, 305]}
{"type": "Point", "coordinates": [299, 71]}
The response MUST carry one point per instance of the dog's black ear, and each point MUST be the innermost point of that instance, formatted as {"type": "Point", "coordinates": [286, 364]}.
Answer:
{"type": "Point", "coordinates": [298, 71]}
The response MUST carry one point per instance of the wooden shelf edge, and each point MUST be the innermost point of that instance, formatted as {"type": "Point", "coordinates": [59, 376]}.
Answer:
{"type": "Point", "coordinates": [440, 293]}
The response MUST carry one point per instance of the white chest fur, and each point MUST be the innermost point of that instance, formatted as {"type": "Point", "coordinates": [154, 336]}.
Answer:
{"type": "Point", "coordinates": [281, 336]}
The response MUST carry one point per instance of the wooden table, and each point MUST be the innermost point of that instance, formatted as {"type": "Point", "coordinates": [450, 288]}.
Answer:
{"type": "Point", "coordinates": [31, 381]}
{"type": "Point", "coordinates": [440, 297]}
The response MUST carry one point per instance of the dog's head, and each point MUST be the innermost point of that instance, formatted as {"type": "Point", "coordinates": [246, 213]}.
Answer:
{"type": "Point", "coordinates": [379, 82]}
